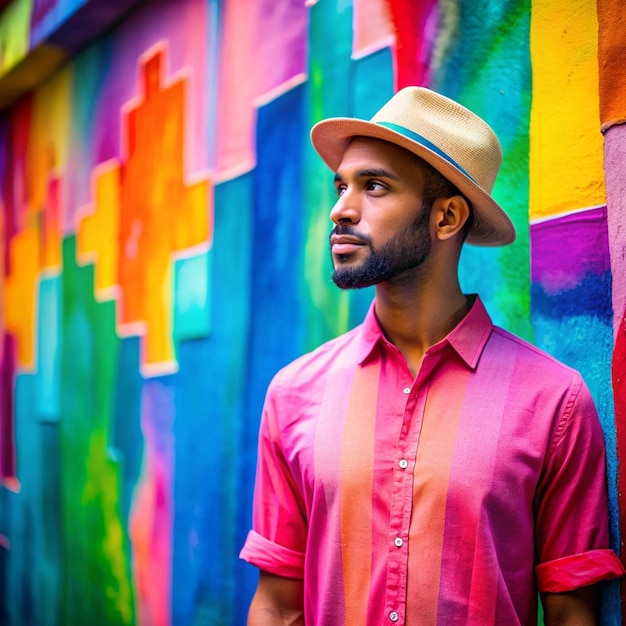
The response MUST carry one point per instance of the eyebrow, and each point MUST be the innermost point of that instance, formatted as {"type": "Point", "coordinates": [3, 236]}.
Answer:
{"type": "Point", "coordinates": [371, 173]}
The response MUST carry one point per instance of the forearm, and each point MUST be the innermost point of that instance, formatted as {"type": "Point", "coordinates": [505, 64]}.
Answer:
{"type": "Point", "coordinates": [271, 617]}
{"type": "Point", "coordinates": [575, 608]}
{"type": "Point", "coordinates": [277, 602]}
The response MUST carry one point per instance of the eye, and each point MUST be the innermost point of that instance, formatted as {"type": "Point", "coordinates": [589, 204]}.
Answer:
{"type": "Point", "coordinates": [340, 188]}
{"type": "Point", "coordinates": [375, 185]}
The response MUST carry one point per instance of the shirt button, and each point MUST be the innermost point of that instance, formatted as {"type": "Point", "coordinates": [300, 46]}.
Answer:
{"type": "Point", "coordinates": [407, 390]}
{"type": "Point", "coordinates": [403, 463]}
{"type": "Point", "coordinates": [393, 616]}
{"type": "Point", "coordinates": [398, 541]}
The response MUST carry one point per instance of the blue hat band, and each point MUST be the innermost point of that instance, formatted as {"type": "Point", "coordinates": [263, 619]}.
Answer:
{"type": "Point", "coordinates": [427, 144]}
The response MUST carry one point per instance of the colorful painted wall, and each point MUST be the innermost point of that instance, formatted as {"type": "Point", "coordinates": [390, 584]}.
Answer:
{"type": "Point", "coordinates": [163, 246]}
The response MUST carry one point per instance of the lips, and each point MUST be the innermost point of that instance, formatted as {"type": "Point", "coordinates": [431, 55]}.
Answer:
{"type": "Point", "coordinates": [345, 244]}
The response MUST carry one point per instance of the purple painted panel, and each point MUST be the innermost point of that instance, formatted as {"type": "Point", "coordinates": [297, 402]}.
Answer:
{"type": "Point", "coordinates": [566, 249]}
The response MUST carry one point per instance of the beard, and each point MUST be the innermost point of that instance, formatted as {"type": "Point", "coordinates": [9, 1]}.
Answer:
{"type": "Point", "coordinates": [405, 251]}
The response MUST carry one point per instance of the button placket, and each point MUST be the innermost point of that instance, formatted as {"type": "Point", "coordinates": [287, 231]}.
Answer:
{"type": "Point", "coordinates": [401, 504]}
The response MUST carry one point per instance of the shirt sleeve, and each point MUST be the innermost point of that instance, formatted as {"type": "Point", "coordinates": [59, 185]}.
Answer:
{"type": "Point", "coordinates": [572, 511]}
{"type": "Point", "coordinates": [277, 541]}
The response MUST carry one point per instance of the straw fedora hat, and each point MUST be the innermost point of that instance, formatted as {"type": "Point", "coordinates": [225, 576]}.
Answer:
{"type": "Point", "coordinates": [455, 141]}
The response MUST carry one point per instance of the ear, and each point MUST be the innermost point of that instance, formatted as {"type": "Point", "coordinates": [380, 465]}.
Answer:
{"type": "Point", "coordinates": [451, 214]}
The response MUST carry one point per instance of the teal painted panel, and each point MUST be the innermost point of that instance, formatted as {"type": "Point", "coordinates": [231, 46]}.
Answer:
{"type": "Point", "coordinates": [48, 349]}
{"type": "Point", "coordinates": [191, 296]}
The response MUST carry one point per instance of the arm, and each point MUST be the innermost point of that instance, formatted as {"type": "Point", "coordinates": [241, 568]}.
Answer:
{"type": "Point", "coordinates": [278, 601]}
{"type": "Point", "coordinates": [572, 519]}
{"type": "Point", "coordinates": [572, 608]}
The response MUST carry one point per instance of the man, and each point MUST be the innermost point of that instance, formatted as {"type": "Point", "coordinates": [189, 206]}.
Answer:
{"type": "Point", "coordinates": [425, 467]}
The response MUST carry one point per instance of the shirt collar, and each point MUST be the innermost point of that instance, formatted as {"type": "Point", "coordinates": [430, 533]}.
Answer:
{"type": "Point", "coordinates": [467, 338]}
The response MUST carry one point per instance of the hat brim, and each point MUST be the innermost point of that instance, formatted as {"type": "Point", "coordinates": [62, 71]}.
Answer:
{"type": "Point", "coordinates": [492, 226]}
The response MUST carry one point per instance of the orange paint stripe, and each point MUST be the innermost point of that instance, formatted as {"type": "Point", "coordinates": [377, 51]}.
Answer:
{"type": "Point", "coordinates": [611, 45]}
{"type": "Point", "coordinates": [357, 468]}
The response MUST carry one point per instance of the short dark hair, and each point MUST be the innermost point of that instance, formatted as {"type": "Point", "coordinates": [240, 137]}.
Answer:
{"type": "Point", "coordinates": [436, 185]}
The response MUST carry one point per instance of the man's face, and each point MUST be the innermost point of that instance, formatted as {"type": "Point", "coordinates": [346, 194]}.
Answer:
{"type": "Point", "coordinates": [381, 229]}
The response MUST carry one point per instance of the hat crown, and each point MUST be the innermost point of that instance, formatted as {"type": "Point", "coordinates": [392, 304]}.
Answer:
{"type": "Point", "coordinates": [466, 139]}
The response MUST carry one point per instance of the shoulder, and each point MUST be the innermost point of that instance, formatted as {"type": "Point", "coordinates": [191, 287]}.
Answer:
{"type": "Point", "coordinates": [537, 363]}
{"type": "Point", "coordinates": [298, 390]}
{"type": "Point", "coordinates": [316, 365]}
{"type": "Point", "coordinates": [536, 379]}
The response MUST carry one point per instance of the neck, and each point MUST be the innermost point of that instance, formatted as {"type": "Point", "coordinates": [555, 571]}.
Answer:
{"type": "Point", "coordinates": [414, 317]}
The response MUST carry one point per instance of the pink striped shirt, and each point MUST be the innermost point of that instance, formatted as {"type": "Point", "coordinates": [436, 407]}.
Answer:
{"type": "Point", "coordinates": [448, 498]}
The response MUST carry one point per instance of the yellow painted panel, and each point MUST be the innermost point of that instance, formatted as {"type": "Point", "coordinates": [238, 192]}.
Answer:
{"type": "Point", "coordinates": [566, 147]}
{"type": "Point", "coordinates": [98, 232]}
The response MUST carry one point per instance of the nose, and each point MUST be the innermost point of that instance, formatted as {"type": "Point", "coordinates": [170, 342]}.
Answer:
{"type": "Point", "coordinates": [345, 210]}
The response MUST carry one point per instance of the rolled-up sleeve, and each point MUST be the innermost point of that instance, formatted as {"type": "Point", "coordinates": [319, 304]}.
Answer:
{"type": "Point", "coordinates": [572, 535]}
{"type": "Point", "coordinates": [578, 570]}
{"type": "Point", "coordinates": [272, 557]}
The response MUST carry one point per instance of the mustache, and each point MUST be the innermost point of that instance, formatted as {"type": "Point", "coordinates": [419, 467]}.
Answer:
{"type": "Point", "coordinates": [350, 231]}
